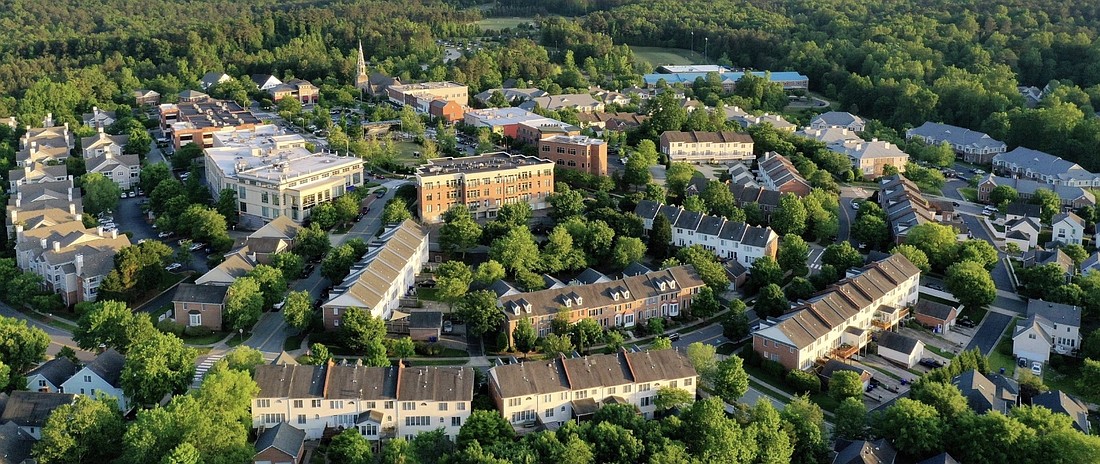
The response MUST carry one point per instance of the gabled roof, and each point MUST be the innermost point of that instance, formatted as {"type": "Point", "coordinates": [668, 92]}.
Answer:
{"type": "Point", "coordinates": [1059, 402]}
{"type": "Point", "coordinates": [280, 227]}
{"type": "Point", "coordinates": [108, 366]}
{"type": "Point", "coordinates": [283, 437]}
{"type": "Point", "coordinates": [983, 393]}
{"type": "Point", "coordinates": [898, 342]}
{"type": "Point", "coordinates": [837, 119]}
{"type": "Point", "coordinates": [1026, 159]}
{"type": "Point", "coordinates": [15, 445]}
{"type": "Point", "coordinates": [206, 294]}
{"type": "Point", "coordinates": [1069, 217]}
{"type": "Point", "coordinates": [591, 276]}
{"type": "Point", "coordinates": [592, 371]}
{"type": "Point", "coordinates": [290, 381]}
{"type": "Point", "coordinates": [436, 383]}
{"type": "Point", "coordinates": [865, 452]}
{"type": "Point", "coordinates": [1019, 208]}
{"type": "Point", "coordinates": [647, 209]}
{"type": "Point", "coordinates": [366, 287]}
{"type": "Point", "coordinates": [31, 409]}
{"type": "Point", "coordinates": [955, 136]}
{"type": "Point", "coordinates": [833, 366]}
{"type": "Point", "coordinates": [1057, 313]}
{"type": "Point", "coordinates": [56, 371]}
{"type": "Point", "coordinates": [636, 268]}
{"type": "Point", "coordinates": [942, 458]}
{"type": "Point", "coordinates": [935, 309]}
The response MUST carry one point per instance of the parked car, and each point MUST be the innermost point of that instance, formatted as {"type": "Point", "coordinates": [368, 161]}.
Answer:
{"type": "Point", "coordinates": [931, 362]}
{"type": "Point", "coordinates": [448, 327]}
{"type": "Point", "coordinates": [279, 305]}
{"type": "Point", "coordinates": [1022, 362]}
{"type": "Point", "coordinates": [380, 193]}
{"type": "Point", "coordinates": [172, 267]}
{"type": "Point", "coordinates": [307, 270]}
{"type": "Point", "coordinates": [164, 234]}
{"type": "Point", "coordinates": [196, 246]}
{"type": "Point", "coordinates": [855, 205]}
{"type": "Point", "coordinates": [1037, 368]}
{"type": "Point", "coordinates": [673, 337]}
{"type": "Point", "coordinates": [936, 287]}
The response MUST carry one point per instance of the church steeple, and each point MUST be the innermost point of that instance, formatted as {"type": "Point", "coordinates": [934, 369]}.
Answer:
{"type": "Point", "coordinates": [361, 78]}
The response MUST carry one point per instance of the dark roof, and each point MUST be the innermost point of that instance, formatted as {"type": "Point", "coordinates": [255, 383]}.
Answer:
{"type": "Point", "coordinates": [934, 309]}
{"type": "Point", "coordinates": [436, 383]}
{"type": "Point", "coordinates": [1057, 313]}
{"type": "Point", "coordinates": [108, 366]}
{"type": "Point", "coordinates": [1023, 209]}
{"type": "Point", "coordinates": [283, 437]}
{"type": "Point", "coordinates": [1058, 401]}
{"type": "Point", "coordinates": [651, 366]}
{"type": "Point", "coordinates": [31, 409]}
{"type": "Point", "coordinates": [15, 444]}
{"type": "Point", "coordinates": [942, 458]}
{"type": "Point", "coordinates": [502, 288]}
{"type": "Point", "coordinates": [865, 452]}
{"type": "Point", "coordinates": [425, 320]}
{"type": "Point", "coordinates": [206, 294]}
{"type": "Point", "coordinates": [689, 220]}
{"type": "Point", "coordinates": [355, 381]}
{"type": "Point", "coordinates": [832, 366]}
{"type": "Point", "coordinates": [56, 371]}
{"type": "Point", "coordinates": [636, 268]}
{"type": "Point", "coordinates": [590, 276]}
{"type": "Point", "coordinates": [647, 209]}
{"type": "Point", "coordinates": [711, 225]}
{"type": "Point", "coordinates": [290, 381]}
{"type": "Point", "coordinates": [983, 393]}
{"type": "Point", "coordinates": [602, 370]}
{"type": "Point", "coordinates": [897, 342]}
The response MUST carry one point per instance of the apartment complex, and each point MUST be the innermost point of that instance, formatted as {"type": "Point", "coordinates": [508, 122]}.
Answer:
{"type": "Point", "coordinates": [838, 119]}
{"type": "Point", "coordinates": [1043, 167]}
{"type": "Point", "coordinates": [421, 95]}
{"type": "Point", "coordinates": [483, 183]}
{"type": "Point", "coordinates": [904, 205]}
{"type": "Point", "coordinates": [577, 153]}
{"type": "Point", "coordinates": [972, 146]}
{"type": "Point", "coordinates": [71, 259]}
{"type": "Point", "coordinates": [378, 281]}
{"type": "Point", "coordinates": [707, 147]}
{"type": "Point", "coordinates": [275, 175]}
{"type": "Point", "coordinates": [1072, 196]}
{"type": "Point", "coordinates": [579, 102]}
{"type": "Point", "coordinates": [198, 117]}
{"type": "Point", "coordinates": [550, 393]}
{"type": "Point", "coordinates": [612, 303]}
{"type": "Point", "coordinates": [837, 322]}
{"type": "Point", "coordinates": [871, 158]}
{"type": "Point", "coordinates": [779, 174]}
{"type": "Point", "coordinates": [103, 154]}
{"type": "Point", "coordinates": [727, 239]}
{"type": "Point", "coordinates": [47, 144]}
{"type": "Point", "coordinates": [33, 173]}
{"type": "Point", "coordinates": [44, 203]}
{"type": "Point", "coordinates": [380, 403]}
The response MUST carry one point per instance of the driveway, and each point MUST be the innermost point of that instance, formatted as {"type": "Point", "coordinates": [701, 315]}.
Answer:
{"type": "Point", "coordinates": [709, 335]}
{"type": "Point", "coordinates": [989, 333]}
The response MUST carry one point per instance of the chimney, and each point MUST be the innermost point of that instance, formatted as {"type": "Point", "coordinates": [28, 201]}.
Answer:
{"type": "Point", "coordinates": [400, 370]}
{"type": "Point", "coordinates": [56, 246]}
{"type": "Point", "coordinates": [26, 169]}
{"type": "Point", "coordinates": [79, 217]}
{"type": "Point", "coordinates": [72, 208]}
{"type": "Point", "coordinates": [99, 231]}
{"type": "Point", "coordinates": [114, 233]}
{"type": "Point", "coordinates": [328, 374]}
{"type": "Point", "coordinates": [14, 216]}
{"type": "Point", "coordinates": [43, 243]}
{"type": "Point", "coordinates": [79, 263]}
{"type": "Point", "coordinates": [70, 194]}
{"type": "Point", "coordinates": [18, 199]}
{"type": "Point", "coordinates": [18, 232]}
{"type": "Point", "coordinates": [99, 128]}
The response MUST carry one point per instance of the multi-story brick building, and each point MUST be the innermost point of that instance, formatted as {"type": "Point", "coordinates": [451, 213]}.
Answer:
{"type": "Point", "coordinates": [198, 117]}
{"type": "Point", "coordinates": [707, 147]}
{"type": "Point", "coordinates": [578, 153]}
{"type": "Point", "coordinates": [613, 303]}
{"type": "Point", "coordinates": [423, 93]}
{"type": "Point", "coordinates": [552, 392]}
{"type": "Point", "coordinates": [483, 183]}
{"type": "Point", "coordinates": [275, 175]}
{"type": "Point", "coordinates": [838, 322]}
{"type": "Point", "coordinates": [381, 403]}
{"type": "Point", "coordinates": [530, 132]}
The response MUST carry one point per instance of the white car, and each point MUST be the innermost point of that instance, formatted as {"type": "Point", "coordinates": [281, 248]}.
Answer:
{"type": "Point", "coordinates": [196, 246]}
{"type": "Point", "coordinates": [1037, 368]}
{"type": "Point", "coordinates": [122, 195]}
{"type": "Point", "coordinates": [164, 234]}
{"type": "Point", "coordinates": [172, 267]}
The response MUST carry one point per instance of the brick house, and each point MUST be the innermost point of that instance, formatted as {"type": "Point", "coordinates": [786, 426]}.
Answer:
{"type": "Point", "coordinates": [447, 110]}
{"type": "Point", "coordinates": [281, 444]}
{"type": "Point", "coordinates": [578, 153]}
{"type": "Point", "coordinates": [199, 305]}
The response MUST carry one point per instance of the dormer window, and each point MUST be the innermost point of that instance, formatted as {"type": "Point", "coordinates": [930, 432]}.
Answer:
{"type": "Point", "coordinates": [579, 300]}
{"type": "Point", "coordinates": [661, 285]}
{"type": "Point", "coordinates": [615, 295]}
{"type": "Point", "coordinates": [672, 284]}
{"type": "Point", "coordinates": [626, 293]}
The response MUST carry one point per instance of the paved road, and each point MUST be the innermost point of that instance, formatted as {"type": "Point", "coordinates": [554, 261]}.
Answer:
{"type": "Point", "coordinates": [1000, 301]}
{"type": "Point", "coordinates": [711, 335]}
{"type": "Point", "coordinates": [990, 332]}
{"type": "Point", "coordinates": [58, 337]}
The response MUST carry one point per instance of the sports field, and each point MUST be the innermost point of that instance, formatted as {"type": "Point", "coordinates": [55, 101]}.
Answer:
{"type": "Point", "coordinates": [658, 56]}
{"type": "Point", "coordinates": [496, 24]}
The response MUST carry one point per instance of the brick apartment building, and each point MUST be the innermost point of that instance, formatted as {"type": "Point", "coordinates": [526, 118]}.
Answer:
{"type": "Point", "coordinates": [578, 153]}
{"type": "Point", "coordinates": [483, 183]}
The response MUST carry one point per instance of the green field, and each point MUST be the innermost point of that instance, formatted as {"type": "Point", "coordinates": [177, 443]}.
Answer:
{"type": "Point", "coordinates": [496, 24]}
{"type": "Point", "coordinates": [659, 55]}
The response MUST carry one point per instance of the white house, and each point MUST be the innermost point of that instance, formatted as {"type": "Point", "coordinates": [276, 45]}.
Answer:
{"type": "Point", "coordinates": [30, 410]}
{"type": "Point", "coordinates": [48, 376]}
{"type": "Point", "coordinates": [1048, 327]}
{"type": "Point", "coordinates": [100, 377]}
{"type": "Point", "coordinates": [1024, 232]}
{"type": "Point", "coordinates": [1067, 228]}
{"type": "Point", "coordinates": [838, 119]}
{"type": "Point", "coordinates": [900, 349]}
{"type": "Point", "coordinates": [727, 239]}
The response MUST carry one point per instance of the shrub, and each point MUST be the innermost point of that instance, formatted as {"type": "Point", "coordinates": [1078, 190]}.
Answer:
{"type": "Point", "coordinates": [170, 326]}
{"type": "Point", "coordinates": [428, 349]}
{"type": "Point", "coordinates": [197, 331]}
{"type": "Point", "coordinates": [751, 357]}
{"type": "Point", "coordinates": [772, 368]}
{"type": "Point", "coordinates": [804, 382]}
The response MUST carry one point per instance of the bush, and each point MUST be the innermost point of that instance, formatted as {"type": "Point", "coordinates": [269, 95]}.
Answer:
{"type": "Point", "coordinates": [751, 357]}
{"type": "Point", "coordinates": [428, 349]}
{"type": "Point", "coordinates": [804, 382]}
{"type": "Point", "coordinates": [197, 331]}
{"type": "Point", "coordinates": [772, 368]}
{"type": "Point", "coordinates": [170, 326]}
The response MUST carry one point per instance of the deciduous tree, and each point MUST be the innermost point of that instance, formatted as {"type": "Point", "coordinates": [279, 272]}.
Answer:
{"type": "Point", "coordinates": [971, 284]}
{"type": "Point", "coordinates": [74, 432]}
{"type": "Point", "coordinates": [479, 310]}
{"type": "Point", "coordinates": [452, 280]}
{"type": "Point", "coordinates": [730, 380]}
{"type": "Point", "coordinates": [157, 366]}
{"type": "Point", "coordinates": [792, 255]}
{"type": "Point", "coordinates": [244, 304]}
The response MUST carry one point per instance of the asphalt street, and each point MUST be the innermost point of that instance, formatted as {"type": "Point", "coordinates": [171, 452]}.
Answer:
{"type": "Point", "coordinates": [58, 338]}
{"type": "Point", "coordinates": [990, 332]}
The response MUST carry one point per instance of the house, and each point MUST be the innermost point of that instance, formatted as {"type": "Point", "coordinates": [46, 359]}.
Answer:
{"type": "Point", "coordinates": [98, 119]}
{"type": "Point", "coordinates": [614, 303]}
{"type": "Point", "coordinates": [425, 325]}
{"type": "Point", "coordinates": [741, 174]}
{"type": "Point", "coordinates": [552, 392]}
{"type": "Point", "coordinates": [144, 97]}
{"type": "Point", "coordinates": [972, 146]}
{"type": "Point", "coordinates": [48, 376]}
{"type": "Point", "coordinates": [994, 392]}
{"type": "Point", "coordinates": [1032, 95]}
{"type": "Point", "coordinates": [100, 377]}
{"type": "Point", "coordinates": [829, 135]}
{"type": "Point", "coordinates": [1023, 232]}
{"type": "Point", "coordinates": [530, 132]}
{"type": "Point", "coordinates": [299, 89]}
{"type": "Point", "coordinates": [579, 102]}
{"type": "Point", "coordinates": [1061, 403]}
{"type": "Point", "coordinates": [192, 96]}
{"type": "Point", "coordinates": [833, 366]}
{"type": "Point", "coordinates": [707, 147]}
{"type": "Point", "coordinates": [938, 316]}
{"type": "Point", "coordinates": [1039, 257]}
{"type": "Point", "coordinates": [1091, 264]}
{"type": "Point", "coordinates": [235, 266]}
{"type": "Point", "coordinates": [635, 268]}
{"type": "Point", "coordinates": [736, 114]}
{"type": "Point", "coordinates": [1072, 197]}
{"type": "Point", "coordinates": [864, 452]}
{"type": "Point", "coordinates": [124, 170]}
{"type": "Point", "coordinates": [281, 444]}
{"type": "Point", "coordinates": [727, 239]}
{"type": "Point", "coordinates": [838, 119]}
{"type": "Point", "coordinates": [904, 205]}
{"type": "Point", "coordinates": [1048, 327]}
{"type": "Point", "coordinates": [942, 458]}
{"type": "Point", "coordinates": [381, 403]}
{"type": "Point", "coordinates": [589, 276]}
{"type": "Point", "coordinates": [837, 321]}
{"type": "Point", "coordinates": [512, 95]}
{"type": "Point", "coordinates": [199, 305]}
{"type": "Point", "coordinates": [1020, 210]}
{"type": "Point", "coordinates": [15, 444]}
{"type": "Point", "coordinates": [103, 143]}
{"type": "Point", "coordinates": [446, 110]}
{"type": "Point", "coordinates": [29, 410]}
{"type": "Point", "coordinates": [378, 281]}
{"type": "Point", "coordinates": [1067, 228]}
{"type": "Point", "coordinates": [35, 173]}
{"type": "Point", "coordinates": [72, 260]}
{"type": "Point", "coordinates": [790, 80]}
{"type": "Point", "coordinates": [899, 349]}
{"type": "Point", "coordinates": [266, 81]}
{"type": "Point", "coordinates": [441, 183]}
{"type": "Point", "coordinates": [1043, 167]}
{"type": "Point", "coordinates": [615, 122]}
{"type": "Point", "coordinates": [779, 174]}
{"type": "Point", "coordinates": [749, 194]}
{"type": "Point", "coordinates": [871, 158]}
{"type": "Point", "coordinates": [47, 144]}
{"type": "Point", "coordinates": [211, 78]}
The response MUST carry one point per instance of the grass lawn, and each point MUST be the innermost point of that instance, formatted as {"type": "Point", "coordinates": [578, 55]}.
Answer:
{"type": "Point", "coordinates": [405, 152]}
{"type": "Point", "coordinates": [452, 353]}
{"type": "Point", "coordinates": [660, 55]}
{"type": "Point", "coordinates": [969, 193]}
{"type": "Point", "coordinates": [209, 339]}
{"type": "Point", "coordinates": [946, 354]}
{"type": "Point", "coordinates": [975, 314]}
{"type": "Point", "coordinates": [436, 362]}
{"type": "Point", "coordinates": [1064, 377]}
{"type": "Point", "coordinates": [293, 342]}
{"type": "Point", "coordinates": [773, 384]}
{"type": "Point", "coordinates": [728, 348]}
{"type": "Point", "coordinates": [999, 360]}
{"type": "Point", "coordinates": [496, 24]}
{"type": "Point", "coordinates": [429, 294]}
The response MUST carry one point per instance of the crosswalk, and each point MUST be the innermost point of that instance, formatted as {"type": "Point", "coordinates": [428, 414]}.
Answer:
{"type": "Point", "coordinates": [203, 366]}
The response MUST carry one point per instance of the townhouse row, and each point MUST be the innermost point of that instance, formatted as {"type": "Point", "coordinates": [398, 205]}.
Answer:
{"type": "Point", "coordinates": [729, 240]}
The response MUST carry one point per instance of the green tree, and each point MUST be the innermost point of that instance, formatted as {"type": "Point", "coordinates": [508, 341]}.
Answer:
{"type": "Point", "coordinates": [244, 304]}
{"type": "Point", "coordinates": [735, 325]}
{"type": "Point", "coordinates": [841, 256]}
{"type": "Point", "coordinates": [677, 177]}
{"type": "Point", "coordinates": [524, 336]}
{"type": "Point", "coordinates": [338, 262]}
{"type": "Point", "coordinates": [771, 302]}
{"type": "Point", "coordinates": [614, 340]}
{"type": "Point", "coordinates": [479, 310]}
{"type": "Point", "coordinates": [704, 359]}
{"type": "Point", "coordinates": [871, 230]}
{"type": "Point", "coordinates": [559, 254]}
{"type": "Point", "coordinates": [845, 384]}
{"type": "Point", "coordinates": [671, 398]}
{"type": "Point", "coordinates": [553, 344]}
{"type": "Point", "coordinates": [185, 453]}
{"type": "Point", "coordinates": [1049, 201]}
{"type": "Point", "coordinates": [272, 284]}
{"type": "Point", "coordinates": [790, 215]}
{"type": "Point", "coordinates": [704, 304]}
{"type": "Point", "coordinates": [160, 365]}
{"type": "Point", "coordinates": [349, 447]}
{"type": "Point", "coordinates": [971, 284]}
{"type": "Point", "coordinates": [298, 310]}
{"type": "Point", "coordinates": [244, 358]}
{"type": "Point", "coordinates": [937, 241]}
{"type": "Point", "coordinates": [627, 250]}
{"type": "Point", "coordinates": [660, 237]}
{"type": "Point", "coordinates": [152, 175]}
{"type": "Point", "coordinates": [800, 288]}
{"type": "Point", "coordinates": [946, 398]}
{"type": "Point", "coordinates": [981, 252]}
{"type": "Point", "coordinates": [914, 255]}
{"type": "Point", "coordinates": [806, 425]}
{"type": "Point", "coordinates": [915, 428]}
{"type": "Point", "coordinates": [403, 347]}
{"type": "Point", "coordinates": [1002, 195]}
{"type": "Point", "coordinates": [325, 216]}
{"type": "Point", "coordinates": [706, 265]}
{"type": "Point", "coordinates": [317, 355]}
{"type": "Point", "coordinates": [851, 420]}
{"type": "Point", "coordinates": [586, 332]}
{"type": "Point", "coordinates": [459, 231]}
{"type": "Point", "coordinates": [1075, 252]}
{"type": "Point", "coordinates": [565, 202]}
{"type": "Point", "coordinates": [1090, 375]}
{"type": "Point", "coordinates": [227, 206]}
{"type": "Point", "coordinates": [411, 123]}
{"type": "Point", "coordinates": [792, 255]}
{"type": "Point", "coordinates": [452, 280]}
{"type": "Point", "coordinates": [347, 208]}
{"type": "Point", "coordinates": [290, 264]}
{"type": "Point", "coordinates": [113, 325]}
{"type": "Point", "coordinates": [73, 432]}
{"type": "Point", "coordinates": [395, 211]}
{"type": "Point", "coordinates": [486, 428]}
{"type": "Point", "coordinates": [100, 193]}
{"type": "Point", "coordinates": [312, 243]}
{"type": "Point", "coordinates": [366, 334]}
{"type": "Point", "coordinates": [660, 343]}
{"type": "Point", "coordinates": [516, 250]}
{"type": "Point", "coordinates": [730, 380]}
{"type": "Point", "coordinates": [488, 272]}
{"type": "Point", "coordinates": [773, 443]}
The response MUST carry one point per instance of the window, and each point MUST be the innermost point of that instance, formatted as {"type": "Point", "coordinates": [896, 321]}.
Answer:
{"type": "Point", "coordinates": [549, 412]}
{"type": "Point", "coordinates": [687, 382]}
{"type": "Point", "coordinates": [643, 387]}
{"type": "Point", "coordinates": [647, 401]}
{"type": "Point", "coordinates": [301, 418]}
{"type": "Point", "coordinates": [456, 421]}
{"type": "Point", "coordinates": [41, 383]}
{"type": "Point", "coordinates": [194, 320]}
{"type": "Point", "coordinates": [523, 416]}
{"type": "Point", "coordinates": [418, 421]}
{"type": "Point", "coordinates": [87, 378]}
{"type": "Point", "coordinates": [461, 407]}
{"type": "Point", "coordinates": [442, 406]}
{"type": "Point", "coordinates": [297, 403]}
{"type": "Point", "coordinates": [336, 405]}
{"type": "Point", "coordinates": [315, 403]}
{"type": "Point", "coordinates": [626, 388]}
{"type": "Point", "coordinates": [611, 390]}
{"type": "Point", "coordinates": [370, 405]}
{"type": "Point", "coordinates": [368, 429]}
{"type": "Point", "coordinates": [263, 403]}
{"type": "Point", "coordinates": [389, 405]}
{"type": "Point", "coordinates": [408, 406]}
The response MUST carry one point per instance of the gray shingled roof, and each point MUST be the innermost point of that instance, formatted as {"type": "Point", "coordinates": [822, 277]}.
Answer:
{"type": "Point", "coordinates": [647, 209]}
{"type": "Point", "coordinates": [636, 268]}
{"type": "Point", "coordinates": [56, 371]}
{"type": "Point", "coordinates": [897, 342]}
{"type": "Point", "coordinates": [1036, 161]}
{"type": "Point", "coordinates": [942, 458]}
{"type": "Point", "coordinates": [108, 366]}
{"type": "Point", "coordinates": [994, 392]}
{"type": "Point", "coordinates": [955, 135]}
{"type": "Point", "coordinates": [1059, 402]}
{"type": "Point", "coordinates": [283, 437]}
{"type": "Point", "coordinates": [933, 309]}
{"type": "Point", "coordinates": [425, 320]}
{"type": "Point", "coordinates": [865, 452]}
{"type": "Point", "coordinates": [206, 294]}
{"type": "Point", "coordinates": [1057, 313]}
{"type": "Point", "coordinates": [837, 119]}
{"type": "Point", "coordinates": [31, 409]}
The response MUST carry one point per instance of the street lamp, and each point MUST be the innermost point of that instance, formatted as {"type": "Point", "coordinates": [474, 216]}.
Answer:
{"type": "Point", "coordinates": [693, 42]}
{"type": "Point", "coordinates": [241, 332]}
{"type": "Point", "coordinates": [706, 47]}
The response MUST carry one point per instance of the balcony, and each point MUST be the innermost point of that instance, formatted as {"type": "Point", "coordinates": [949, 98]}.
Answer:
{"type": "Point", "coordinates": [845, 351]}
